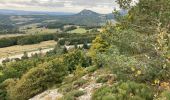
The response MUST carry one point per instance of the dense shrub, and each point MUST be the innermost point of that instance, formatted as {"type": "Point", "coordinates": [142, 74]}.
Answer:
{"type": "Point", "coordinates": [124, 91]}
{"type": "Point", "coordinates": [75, 58]}
{"type": "Point", "coordinates": [58, 50]}
{"type": "Point", "coordinates": [78, 72]}
{"type": "Point", "coordinates": [139, 68]}
{"type": "Point", "coordinates": [4, 87]}
{"type": "Point", "coordinates": [3, 92]}
{"type": "Point", "coordinates": [98, 46]}
{"type": "Point", "coordinates": [17, 69]}
{"type": "Point", "coordinates": [77, 40]}
{"type": "Point", "coordinates": [37, 80]}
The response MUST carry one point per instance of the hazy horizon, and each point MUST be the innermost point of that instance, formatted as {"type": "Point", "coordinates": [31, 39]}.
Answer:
{"type": "Point", "coordinates": [71, 6]}
{"type": "Point", "coordinates": [35, 11]}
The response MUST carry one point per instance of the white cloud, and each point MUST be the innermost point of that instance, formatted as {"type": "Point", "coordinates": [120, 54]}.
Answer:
{"type": "Point", "coordinates": [101, 6]}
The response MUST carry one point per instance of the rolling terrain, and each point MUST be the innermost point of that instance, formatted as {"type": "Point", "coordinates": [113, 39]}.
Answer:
{"type": "Point", "coordinates": [11, 20]}
{"type": "Point", "coordinates": [59, 56]}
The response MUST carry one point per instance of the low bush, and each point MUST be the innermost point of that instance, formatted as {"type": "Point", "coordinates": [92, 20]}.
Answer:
{"type": "Point", "coordinates": [66, 88]}
{"type": "Point", "coordinates": [37, 80]}
{"type": "Point", "coordinates": [91, 69]}
{"type": "Point", "coordinates": [5, 88]}
{"type": "Point", "coordinates": [79, 83]}
{"type": "Point", "coordinates": [124, 91]}
{"type": "Point", "coordinates": [79, 72]}
{"type": "Point", "coordinates": [103, 79]}
{"type": "Point", "coordinates": [165, 95]}
{"type": "Point", "coordinates": [17, 69]}
{"type": "Point", "coordinates": [73, 95]}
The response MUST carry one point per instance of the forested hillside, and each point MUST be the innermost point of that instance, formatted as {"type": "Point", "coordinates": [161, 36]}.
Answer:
{"type": "Point", "coordinates": [129, 60]}
{"type": "Point", "coordinates": [10, 23]}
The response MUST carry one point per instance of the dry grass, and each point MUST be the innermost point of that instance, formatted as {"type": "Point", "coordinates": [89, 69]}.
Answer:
{"type": "Point", "coordinates": [10, 35]}
{"type": "Point", "coordinates": [78, 30]}
{"type": "Point", "coordinates": [40, 31]}
{"type": "Point", "coordinates": [32, 29]}
{"type": "Point", "coordinates": [13, 50]}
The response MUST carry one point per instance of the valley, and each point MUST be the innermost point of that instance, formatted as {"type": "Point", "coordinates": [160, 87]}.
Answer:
{"type": "Point", "coordinates": [39, 25]}
{"type": "Point", "coordinates": [42, 32]}
{"type": "Point", "coordinates": [67, 50]}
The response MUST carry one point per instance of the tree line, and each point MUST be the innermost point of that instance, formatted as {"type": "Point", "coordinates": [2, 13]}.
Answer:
{"type": "Point", "coordinates": [25, 40]}
{"type": "Point", "coordinates": [59, 37]}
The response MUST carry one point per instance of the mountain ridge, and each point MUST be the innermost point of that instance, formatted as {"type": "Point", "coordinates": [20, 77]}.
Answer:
{"type": "Point", "coordinates": [86, 12]}
{"type": "Point", "coordinates": [84, 17]}
{"type": "Point", "coordinates": [23, 12]}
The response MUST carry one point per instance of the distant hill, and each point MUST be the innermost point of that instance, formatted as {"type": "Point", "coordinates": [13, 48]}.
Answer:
{"type": "Point", "coordinates": [86, 12]}
{"type": "Point", "coordinates": [22, 12]}
{"type": "Point", "coordinates": [85, 17]}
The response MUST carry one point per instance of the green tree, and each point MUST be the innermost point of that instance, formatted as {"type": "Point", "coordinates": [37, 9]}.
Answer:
{"type": "Point", "coordinates": [75, 58]}
{"type": "Point", "coordinates": [99, 45]}
{"type": "Point", "coordinates": [65, 50]}
{"type": "Point", "coordinates": [85, 45]}
{"type": "Point", "coordinates": [145, 17]}
{"type": "Point", "coordinates": [25, 56]}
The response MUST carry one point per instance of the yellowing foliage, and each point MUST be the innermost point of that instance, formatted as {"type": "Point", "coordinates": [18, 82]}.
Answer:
{"type": "Point", "coordinates": [98, 45]}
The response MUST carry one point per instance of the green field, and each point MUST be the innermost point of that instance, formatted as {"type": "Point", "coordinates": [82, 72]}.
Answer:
{"type": "Point", "coordinates": [78, 30]}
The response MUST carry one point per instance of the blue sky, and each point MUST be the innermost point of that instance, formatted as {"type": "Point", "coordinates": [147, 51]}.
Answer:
{"type": "Point", "coordinates": [100, 6]}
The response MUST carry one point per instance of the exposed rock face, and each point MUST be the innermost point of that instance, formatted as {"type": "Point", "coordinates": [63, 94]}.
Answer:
{"type": "Point", "coordinates": [48, 95]}
{"type": "Point", "coordinates": [88, 88]}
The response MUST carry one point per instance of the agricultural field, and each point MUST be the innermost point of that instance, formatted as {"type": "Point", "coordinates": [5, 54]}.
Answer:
{"type": "Point", "coordinates": [18, 49]}
{"type": "Point", "coordinates": [78, 30]}
{"type": "Point", "coordinates": [122, 55]}
{"type": "Point", "coordinates": [33, 29]}
{"type": "Point", "coordinates": [10, 35]}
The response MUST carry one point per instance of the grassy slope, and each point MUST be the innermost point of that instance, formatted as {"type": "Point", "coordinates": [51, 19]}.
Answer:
{"type": "Point", "coordinates": [78, 30]}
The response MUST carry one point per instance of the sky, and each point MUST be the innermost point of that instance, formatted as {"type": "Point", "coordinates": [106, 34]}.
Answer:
{"type": "Point", "coordinates": [100, 6]}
